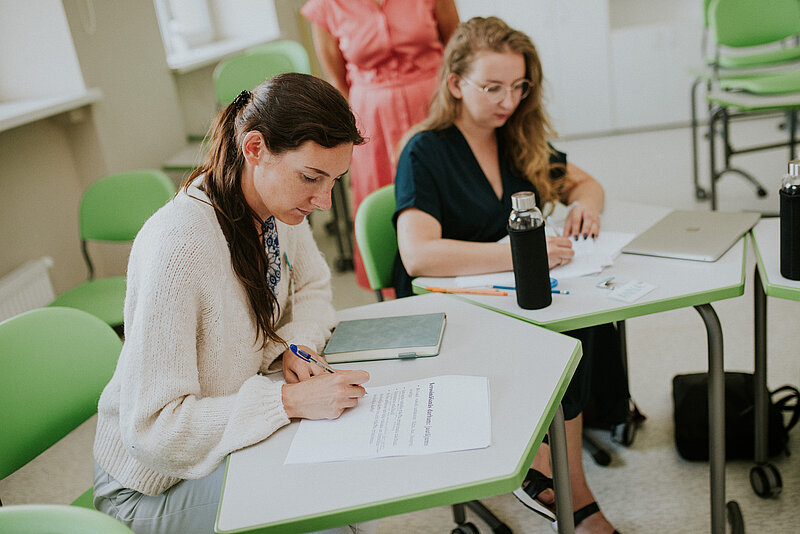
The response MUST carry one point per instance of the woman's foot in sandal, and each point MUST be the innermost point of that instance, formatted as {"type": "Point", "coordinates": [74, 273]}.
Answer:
{"type": "Point", "coordinates": [590, 519]}
{"type": "Point", "coordinates": [530, 494]}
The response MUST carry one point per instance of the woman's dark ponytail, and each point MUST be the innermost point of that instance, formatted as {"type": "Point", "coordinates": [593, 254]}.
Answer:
{"type": "Point", "coordinates": [287, 110]}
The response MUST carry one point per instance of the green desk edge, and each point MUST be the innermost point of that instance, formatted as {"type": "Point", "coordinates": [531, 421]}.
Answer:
{"type": "Point", "coordinates": [770, 289]}
{"type": "Point", "coordinates": [627, 312]}
{"type": "Point", "coordinates": [431, 499]}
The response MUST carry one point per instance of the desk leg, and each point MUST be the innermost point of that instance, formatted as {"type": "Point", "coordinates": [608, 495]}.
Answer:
{"type": "Point", "coordinates": [716, 424]}
{"type": "Point", "coordinates": [558, 455]}
{"type": "Point", "coordinates": [760, 369]}
{"type": "Point", "coordinates": [764, 477]}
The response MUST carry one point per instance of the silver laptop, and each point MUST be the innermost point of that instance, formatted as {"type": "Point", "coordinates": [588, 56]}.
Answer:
{"type": "Point", "coordinates": [693, 235]}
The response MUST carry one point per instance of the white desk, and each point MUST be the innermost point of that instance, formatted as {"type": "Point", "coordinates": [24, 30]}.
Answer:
{"type": "Point", "coordinates": [764, 477]}
{"type": "Point", "coordinates": [679, 283]}
{"type": "Point", "coordinates": [528, 369]}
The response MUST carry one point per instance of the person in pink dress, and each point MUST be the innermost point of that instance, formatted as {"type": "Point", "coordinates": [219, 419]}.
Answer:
{"type": "Point", "coordinates": [384, 56]}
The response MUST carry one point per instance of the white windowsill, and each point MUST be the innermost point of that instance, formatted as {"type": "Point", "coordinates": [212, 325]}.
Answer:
{"type": "Point", "coordinates": [208, 54]}
{"type": "Point", "coordinates": [15, 113]}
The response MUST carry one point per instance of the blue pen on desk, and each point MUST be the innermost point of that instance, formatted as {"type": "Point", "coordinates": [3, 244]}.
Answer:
{"type": "Point", "coordinates": [303, 355]}
{"type": "Point", "coordinates": [512, 288]}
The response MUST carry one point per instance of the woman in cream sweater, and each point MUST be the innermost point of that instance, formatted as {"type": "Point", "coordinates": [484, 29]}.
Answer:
{"type": "Point", "coordinates": [220, 281]}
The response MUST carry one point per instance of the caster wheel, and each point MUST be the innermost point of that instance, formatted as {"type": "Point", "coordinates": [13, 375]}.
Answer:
{"type": "Point", "coordinates": [700, 193]}
{"type": "Point", "coordinates": [466, 528]}
{"type": "Point", "coordinates": [624, 433]}
{"type": "Point", "coordinates": [766, 481]}
{"type": "Point", "coordinates": [761, 192]}
{"type": "Point", "coordinates": [735, 519]}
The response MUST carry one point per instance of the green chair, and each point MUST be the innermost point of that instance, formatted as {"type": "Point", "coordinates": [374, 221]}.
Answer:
{"type": "Point", "coordinates": [739, 24]}
{"type": "Point", "coordinates": [55, 362]}
{"type": "Point", "coordinates": [745, 50]}
{"type": "Point", "coordinates": [376, 237]}
{"type": "Point", "coordinates": [57, 519]}
{"type": "Point", "coordinates": [294, 51]}
{"type": "Point", "coordinates": [245, 71]}
{"type": "Point", "coordinates": [113, 210]}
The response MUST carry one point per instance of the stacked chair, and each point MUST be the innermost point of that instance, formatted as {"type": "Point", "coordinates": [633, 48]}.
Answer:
{"type": "Point", "coordinates": [754, 70]}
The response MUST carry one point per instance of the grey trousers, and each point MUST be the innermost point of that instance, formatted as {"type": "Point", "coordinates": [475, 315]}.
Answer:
{"type": "Point", "coordinates": [188, 507]}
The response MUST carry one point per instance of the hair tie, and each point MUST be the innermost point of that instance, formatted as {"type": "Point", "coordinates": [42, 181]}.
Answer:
{"type": "Point", "coordinates": [242, 99]}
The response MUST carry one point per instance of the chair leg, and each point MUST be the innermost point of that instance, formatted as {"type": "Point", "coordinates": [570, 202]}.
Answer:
{"type": "Point", "coordinates": [599, 455]}
{"type": "Point", "coordinates": [343, 228]}
{"type": "Point", "coordinates": [699, 192]}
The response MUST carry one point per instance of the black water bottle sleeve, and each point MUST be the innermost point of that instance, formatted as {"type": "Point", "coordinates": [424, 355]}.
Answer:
{"type": "Point", "coordinates": [531, 272]}
{"type": "Point", "coordinates": [790, 236]}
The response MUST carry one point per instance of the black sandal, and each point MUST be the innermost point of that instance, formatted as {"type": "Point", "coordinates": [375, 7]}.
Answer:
{"type": "Point", "coordinates": [529, 493]}
{"type": "Point", "coordinates": [590, 509]}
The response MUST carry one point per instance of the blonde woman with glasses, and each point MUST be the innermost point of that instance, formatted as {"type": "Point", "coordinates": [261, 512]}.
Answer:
{"type": "Point", "coordinates": [485, 138]}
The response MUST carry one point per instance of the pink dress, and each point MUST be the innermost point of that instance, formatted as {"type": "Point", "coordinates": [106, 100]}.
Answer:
{"type": "Point", "coordinates": [392, 54]}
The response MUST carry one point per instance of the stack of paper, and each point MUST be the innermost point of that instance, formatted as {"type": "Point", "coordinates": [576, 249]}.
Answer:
{"type": "Point", "coordinates": [591, 255]}
{"type": "Point", "coordinates": [432, 415]}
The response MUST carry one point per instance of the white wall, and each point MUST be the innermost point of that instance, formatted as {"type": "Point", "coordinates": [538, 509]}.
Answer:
{"type": "Point", "coordinates": [37, 59]}
{"type": "Point", "coordinates": [45, 166]}
{"type": "Point", "coordinates": [609, 64]}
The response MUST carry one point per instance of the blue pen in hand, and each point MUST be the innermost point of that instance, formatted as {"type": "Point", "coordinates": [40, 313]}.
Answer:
{"type": "Point", "coordinates": [303, 355]}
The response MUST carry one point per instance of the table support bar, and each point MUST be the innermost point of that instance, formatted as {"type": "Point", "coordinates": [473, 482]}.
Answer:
{"type": "Point", "coordinates": [561, 485]}
{"type": "Point", "coordinates": [716, 416]}
{"type": "Point", "coordinates": [760, 370]}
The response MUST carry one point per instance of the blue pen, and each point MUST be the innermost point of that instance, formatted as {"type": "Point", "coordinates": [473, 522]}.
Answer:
{"type": "Point", "coordinates": [553, 283]}
{"type": "Point", "coordinates": [303, 355]}
{"type": "Point", "coordinates": [553, 226]}
{"type": "Point", "coordinates": [560, 291]}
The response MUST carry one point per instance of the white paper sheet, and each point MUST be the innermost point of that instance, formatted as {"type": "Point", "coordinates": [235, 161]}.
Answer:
{"type": "Point", "coordinates": [432, 415]}
{"type": "Point", "coordinates": [591, 255]}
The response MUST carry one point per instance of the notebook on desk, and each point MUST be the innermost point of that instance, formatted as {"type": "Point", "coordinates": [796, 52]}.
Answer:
{"type": "Point", "coordinates": [385, 338]}
{"type": "Point", "coordinates": [693, 235]}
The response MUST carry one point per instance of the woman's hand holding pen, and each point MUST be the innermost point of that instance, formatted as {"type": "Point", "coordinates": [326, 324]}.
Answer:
{"type": "Point", "coordinates": [296, 369]}
{"type": "Point", "coordinates": [324, 396]}
{"type": "Point", "coordinates": [582, 221]}
{"type": "Point", "coordinates": [559, 251]}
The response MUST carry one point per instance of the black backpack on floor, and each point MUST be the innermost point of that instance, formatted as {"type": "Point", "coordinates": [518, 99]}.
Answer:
{"type": "Point", "coordinates": [690, 397]}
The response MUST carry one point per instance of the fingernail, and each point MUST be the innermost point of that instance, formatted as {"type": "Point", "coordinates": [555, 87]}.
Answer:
{"type": "Point", "coordinates": [585, 236]}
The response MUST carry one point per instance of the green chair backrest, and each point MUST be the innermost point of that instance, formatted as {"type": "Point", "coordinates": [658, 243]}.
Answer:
{"type": "Point", "coordinates": [245, 71]}
{"type": "Point", "coordinates": [57, 519]}
{"type": "Point", "coordinates": [294, 51]}
{"type": "Point", "coordinates": [376, 236]}
{"type": "Point", "coordinates": [115, 207]}
{"type": "Point", "coordinates": [741, 23]}
{"type": "Point", "coordinates": [55, 363]}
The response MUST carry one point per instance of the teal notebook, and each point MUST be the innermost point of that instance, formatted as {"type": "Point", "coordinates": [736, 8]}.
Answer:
{"type": "Point", "coordinates": [385, 338]}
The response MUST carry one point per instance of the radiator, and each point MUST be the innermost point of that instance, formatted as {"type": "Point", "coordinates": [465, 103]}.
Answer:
{"type": "Point", "coordinates": [26, 288]}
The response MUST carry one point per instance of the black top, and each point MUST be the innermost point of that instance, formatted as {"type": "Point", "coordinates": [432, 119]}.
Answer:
{"type": "Point", "coordinates": [438, 174]}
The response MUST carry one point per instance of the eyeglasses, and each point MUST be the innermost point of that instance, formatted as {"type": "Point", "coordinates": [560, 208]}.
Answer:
{"type": "Point", "coordinates": [496, 92]}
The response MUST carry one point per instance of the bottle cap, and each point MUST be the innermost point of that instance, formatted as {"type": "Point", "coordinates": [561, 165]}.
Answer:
{"type": "Point", "coordinates": [523, 201]}
{"type": "Point", "coordinates": [794, 167]}
{"type": "Point", "coordinates": [791, 182]}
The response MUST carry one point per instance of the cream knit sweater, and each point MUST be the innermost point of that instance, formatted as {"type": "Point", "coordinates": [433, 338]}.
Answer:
{"type": "Point", "coordinates": [186, 391]}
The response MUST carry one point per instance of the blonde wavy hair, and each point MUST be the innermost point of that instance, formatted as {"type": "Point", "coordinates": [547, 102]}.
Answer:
{"type": "Point", "coordinates": [526, 132]}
